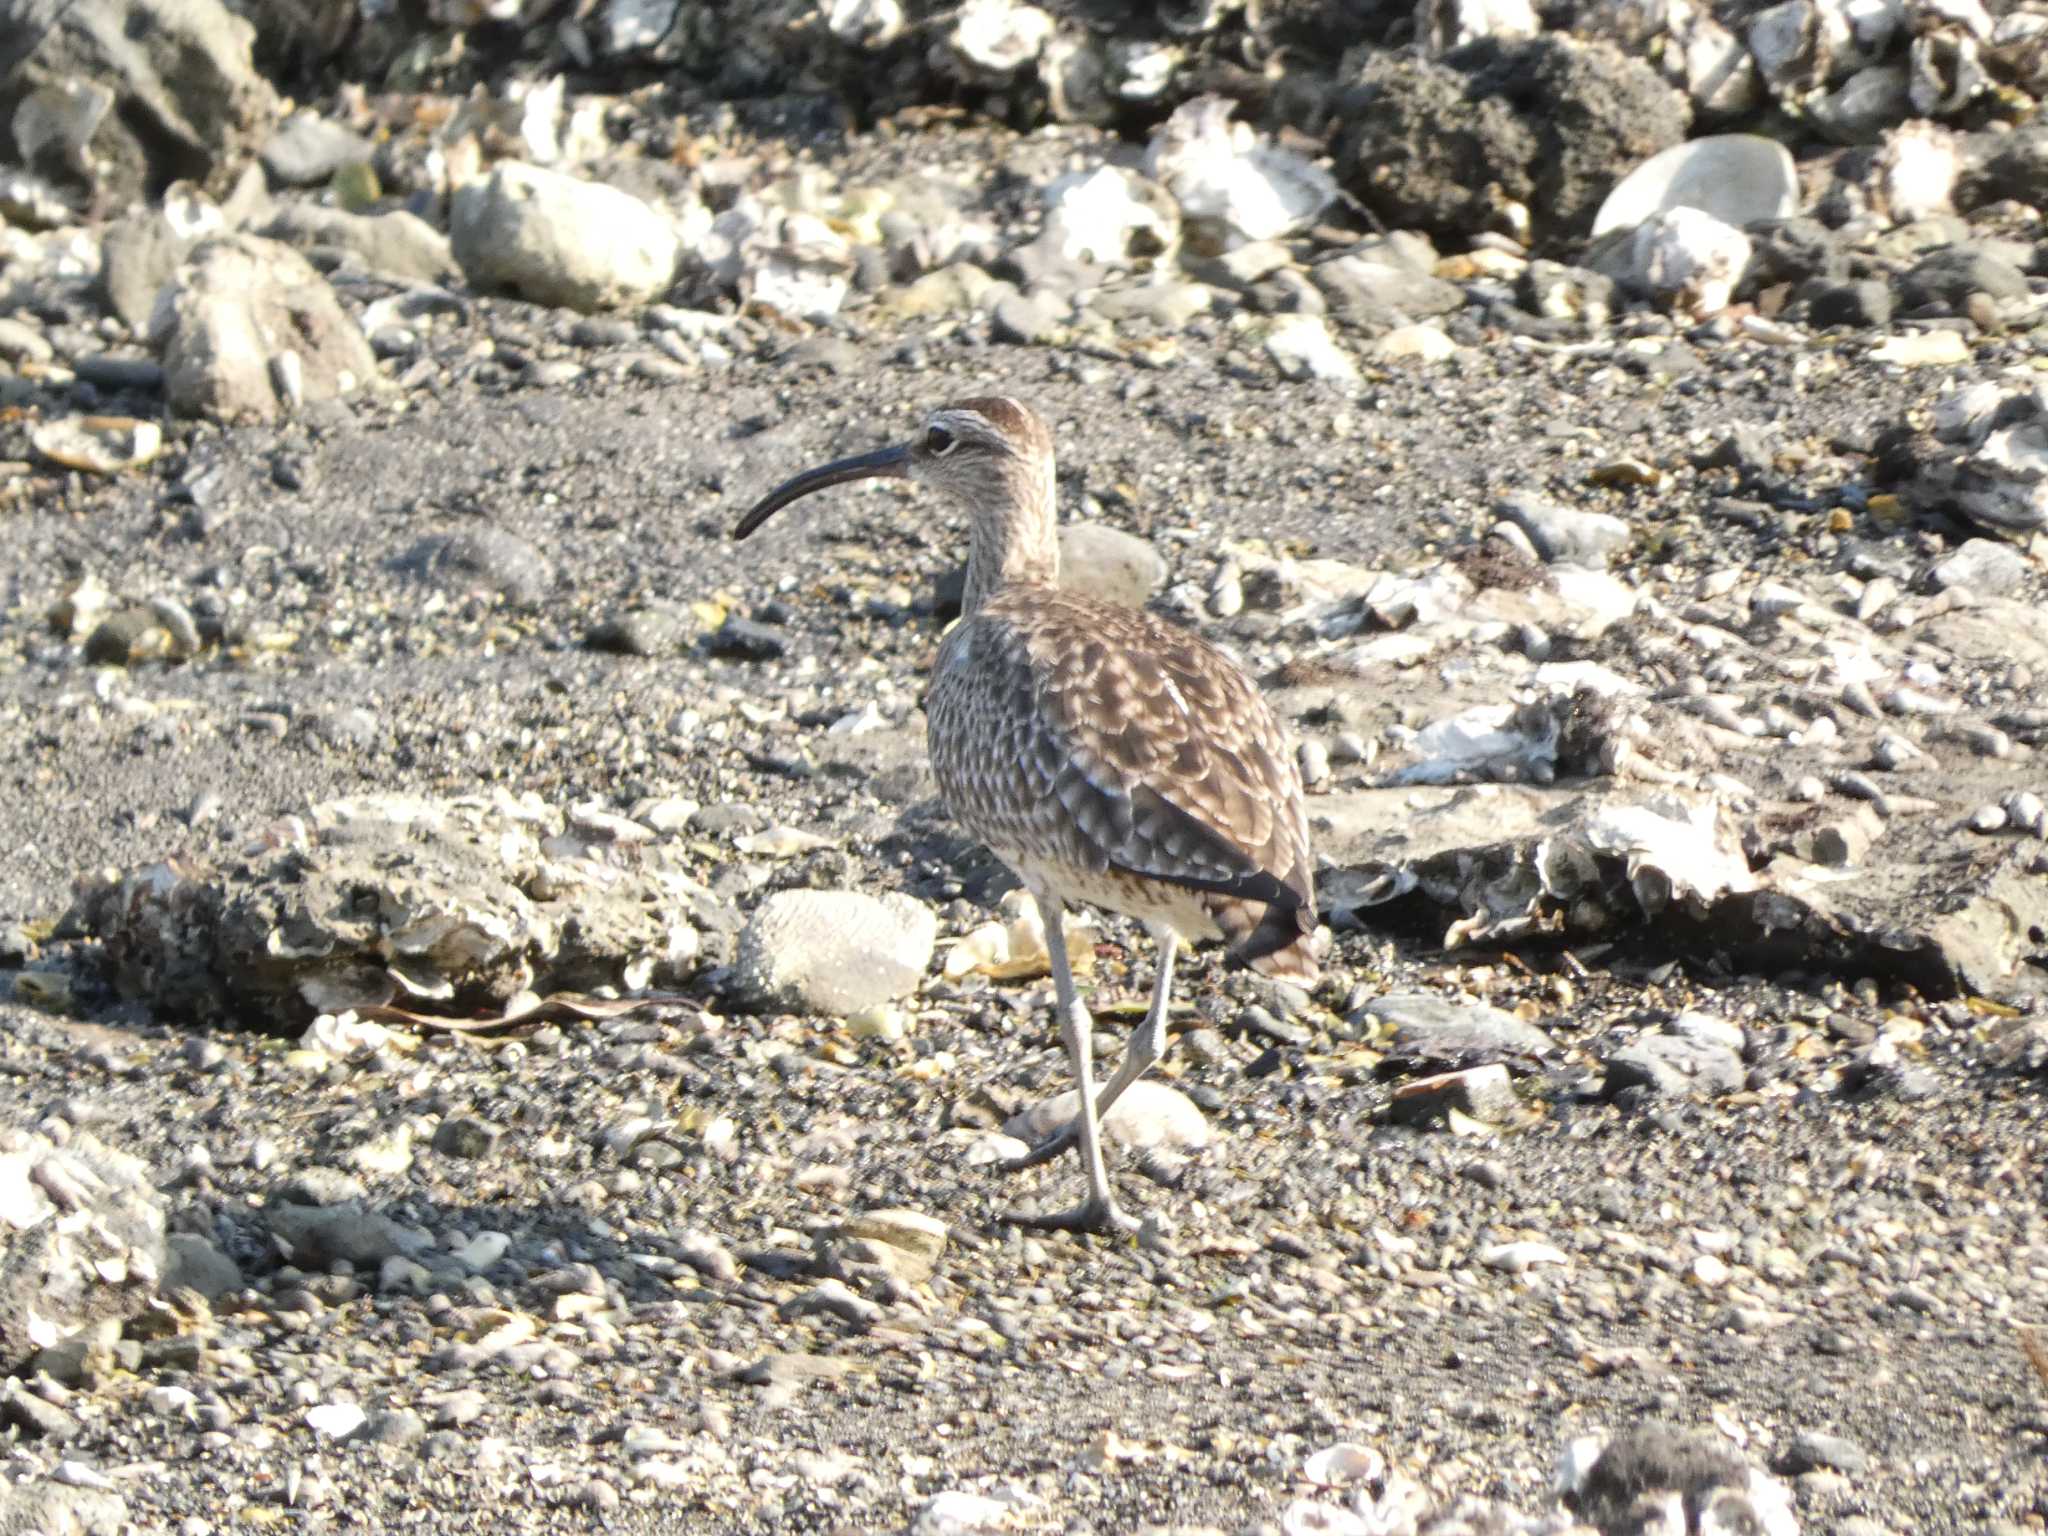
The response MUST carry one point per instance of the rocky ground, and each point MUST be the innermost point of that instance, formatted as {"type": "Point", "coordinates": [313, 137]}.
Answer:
{"type": "Point", "coordinates": [499, 1024]}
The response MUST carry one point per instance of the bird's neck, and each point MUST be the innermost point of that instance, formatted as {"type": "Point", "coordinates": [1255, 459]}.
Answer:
{"type": "Point", "coordinates": [1017, 545]}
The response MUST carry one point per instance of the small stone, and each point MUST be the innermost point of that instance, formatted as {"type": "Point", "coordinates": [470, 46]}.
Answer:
{"type": "Point", "coordinates": [1029, 319]}
{"type": "Point", "coordinates": [1863, 305]}
{"type": "Point", "coordinates": [1484, 1093]}
{"type": "Point", "coordinates": [657, 629]}
{"type": "Point", "coordinates": [1811, 1449]}
{"type": "Point", "coordinates": [36, 1416]}
{"type": "Point", "coordinates": [467, 1136]}
{"type": "Point", "coordinates": [1109, 565]}
{"type": "Point", "coordinates": [1431, 1030]}
{"type": "Point", "coordinates": [554, 239]}
{"type": "Point", "coordinates": [1565, 535]}
{"type": "Point", "coordinates": [335, 1421]}
{"type": "Point", "coordinates": [1303, 348]}
{"type": "Point", "coordinates": [1671, 1065]}
{"type": "Point", "coordinates": [834, 952]}
{"type": "Point", "coordinates": [1987, 567]}
{"type": "Point", "coordinates": [1520, 1258]}
{"type": "Point", "coordinates": [747, 640]}
{"type": "Point", "coordinates": [307, 149]}
{"type": "Point", "coordinates": [1149, 1114]}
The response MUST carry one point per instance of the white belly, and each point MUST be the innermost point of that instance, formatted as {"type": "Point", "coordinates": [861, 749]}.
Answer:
{"type": "Point", "coordinates": [1149, 901]}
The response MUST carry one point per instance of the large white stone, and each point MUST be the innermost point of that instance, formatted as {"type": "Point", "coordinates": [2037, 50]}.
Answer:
{"type": "Point", "coordinates": [834, 952]}
{"type": "Point", "coordinates": [1149, 1114]}
{"type": "Point", "coordinates": [1737, 177]}
{"type": "Point", "coordinates": [556, 239]}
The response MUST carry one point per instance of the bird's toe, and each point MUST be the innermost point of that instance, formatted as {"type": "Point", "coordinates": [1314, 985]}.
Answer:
{"type": "Point", "coordinates": [1103, 1217]}
{"type": "Point", "coordinates": [1061, 1140]}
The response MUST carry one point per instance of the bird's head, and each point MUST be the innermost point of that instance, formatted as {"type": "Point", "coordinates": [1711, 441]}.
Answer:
{"type": "Point", "coordinates": [992, 452]}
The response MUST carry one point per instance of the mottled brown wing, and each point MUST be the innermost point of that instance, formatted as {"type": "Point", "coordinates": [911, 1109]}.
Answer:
{"type": "Point", "coordinates": [1110, 740]}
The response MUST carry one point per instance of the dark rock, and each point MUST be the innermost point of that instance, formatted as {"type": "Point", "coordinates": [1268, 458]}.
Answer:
{"type": "Point", "coordinates": [2005, 165]}
{"type": "Point", "coordinates": [1857, 306]}
{"type": "Point", "coordinates": [1792, 251]}
{"type": "Point", "coordinates": [1641, 1462]}
{"type": "Point", "coordinates": [319, 1235]}
{"type": "Point", "coordinates": [467, 1136]}
{"type": "Point", "coordinates": [748, 641]}
{"type": "Point", "coordinates": [127, 636]}
{"type": "Point", "coordinates": [1422, 149]}
{"type": "Point", "coordinates": [1946, 280]}
{"type": "Point", "coordinates": [120, 375]}
{"type": "Point", "coordinates": [1550, 122]}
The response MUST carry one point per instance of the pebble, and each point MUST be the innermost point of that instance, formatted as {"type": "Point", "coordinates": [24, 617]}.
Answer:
{"type": "Point", "coordinates": [1150, 1114]}
{"type": "Point", "coordinates": [834, 952]}
{"type": "Point", "coordinates": [1673, 1065]}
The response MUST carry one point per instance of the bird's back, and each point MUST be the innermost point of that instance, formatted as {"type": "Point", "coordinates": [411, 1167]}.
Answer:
{"type": "Point", "coordinates": [1127, 763]}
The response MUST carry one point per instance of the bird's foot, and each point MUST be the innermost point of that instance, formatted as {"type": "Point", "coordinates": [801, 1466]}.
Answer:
{"type": "Point", "coordinates": [1062, 1140]}
{"type": "Point", "coordinates": [1105, 1217]}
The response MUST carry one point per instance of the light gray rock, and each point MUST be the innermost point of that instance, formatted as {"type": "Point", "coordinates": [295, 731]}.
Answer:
{"type": "Point", "coordinates": [1673, 1065]}
{"type": "Point", "coordinates": [51, 1508]}
{"type": "Point", "coordinates": [463, 903]}
{"type": "Point", "coordinates": [1029, 318]}
{"type": "Point", "coordinates": [834, 952]}
{"type": "Point", "coordinates": [234, 316]}
{"type": "Point", "coordinates": [1110, 565]}
{"type": "Point", "coordinates": [1150, 1114]}
{"type": "Point", "coordinates": [555, 239]}
{"type": "Point", "coordinates": [397, 244]}
{"type": "Point", "coordinates": [307, 149]}
{"type": "Point", "coordinates": [138, 255]}
{"type": "Point", "coordinates": [81, 1240]}
{"type": "Point", "coordinates": [1443, 1031]}
{"type": "Point", "coordinates": [321, 1234]}
{"type": "Point", "coordinates": [1565, 535]}
{"type": "Point", "coordinates": [1382, 282]}
{"type": "Point", "coordinates": [196, 1264]}
{"type": "Point", "coordinates": [1987, 567]}
{"type": "Point", "coordinates": [1739, 178]}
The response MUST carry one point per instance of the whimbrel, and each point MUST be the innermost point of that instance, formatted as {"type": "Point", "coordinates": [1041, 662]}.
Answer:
{"type": "Point", "coordinates": [1105, 755]}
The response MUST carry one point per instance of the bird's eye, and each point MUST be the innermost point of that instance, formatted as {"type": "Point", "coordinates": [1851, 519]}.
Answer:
{"type": "Point", "coordinates": [938, 441]}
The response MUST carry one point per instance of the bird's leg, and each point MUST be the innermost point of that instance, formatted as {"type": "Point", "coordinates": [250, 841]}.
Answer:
{"type": "Point", "coordinates": [1146, 1045]}
{"type": "Point", "coordinates": [1099, 1212]}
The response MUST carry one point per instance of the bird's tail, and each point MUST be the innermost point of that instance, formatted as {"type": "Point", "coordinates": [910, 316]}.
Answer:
{"type": "Point", "coordinates": [1274, 938]}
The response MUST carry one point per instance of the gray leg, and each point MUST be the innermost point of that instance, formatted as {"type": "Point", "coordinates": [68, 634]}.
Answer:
{"type": "Point", "coordinates": [1147, 1044]}
{"type": "Point", "coordinates": [1099, 1212]}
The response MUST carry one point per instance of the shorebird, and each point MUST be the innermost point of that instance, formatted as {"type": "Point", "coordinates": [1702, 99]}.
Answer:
{"type": "Point", "coordinates": [1103, 754]}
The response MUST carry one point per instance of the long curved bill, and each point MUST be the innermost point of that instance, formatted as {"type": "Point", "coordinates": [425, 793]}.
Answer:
{"type": "Point", "coordinates": [882, 464]}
